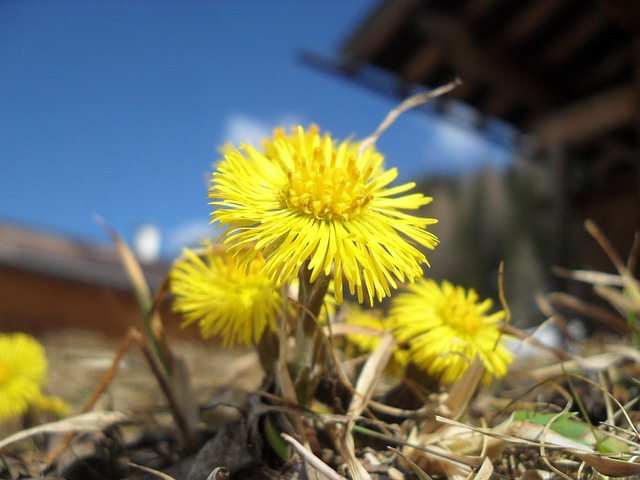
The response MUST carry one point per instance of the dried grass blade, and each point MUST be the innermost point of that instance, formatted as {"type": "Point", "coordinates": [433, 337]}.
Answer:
{"type": "Point", "coordinates": [131, 266]}
{"type": "Point", "coordinates": [597, 234]}
{"type": "Point", "coordinates": [365, 386]}
{"type": "Point", "coordinates": [86, 422]}
{"type": "Point", "coordinates": [464, 389]}
{"type": "Point", "coordinates": [512, 437]}
{"type": "Point", "coordinates": [633, 253]}
{"type": "Point", "coordinates": [155, 320]}
{"type": "Point", "coordinates": [151, 471]}
{"type": "Point", "coordinates": [621, 302]}
{"type": "Point", "coordinates": [589, 276]}
{"type": "Point", "coordinates": [630, 283]}
{"type": "Point", "coordinates": [485, 471]}
{"type": "Point", "coordinates": [311, 459]}
{"type": "Point", "coordinates": [219, 473]}
{"type": "Point", "coordinates": [421, 474]}
{"type": "Point", "coordinates": [370, 375]}
{"type": "Point", "coordinates": [609, 466]}
{"type": "Point", "coordinates": [538, 433]}
{"type": "Point", "coordinates": [344, 442]}
{"type": "Point", "coordinates": [597, 313]}
{"type": "Point", "coordinates": [596, 362]}
{"type": "Point", "coordinates": [143, 294]}
{"type": "Point", "coordinates": [282, 371]}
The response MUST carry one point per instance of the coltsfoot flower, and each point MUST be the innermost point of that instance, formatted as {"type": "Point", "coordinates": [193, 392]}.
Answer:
{"type": "Point", "coordinates": [445, 327]}
{"type": "Point", "coordinates": [52, 405]}
{"type": "Point", "coordinates": [23, 370]}
{"type": "Point", "coordinates": [234, 304]}
{"type": "Point", "coordinates": [375, 324]}
{"type": "Point", "coordinates": [309, 200]}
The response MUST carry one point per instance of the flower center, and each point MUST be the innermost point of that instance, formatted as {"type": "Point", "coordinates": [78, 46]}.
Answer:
{"type": "Point", "coordinates": [326, 191]}
{"type": "Point", "coordinates": [461, 316]}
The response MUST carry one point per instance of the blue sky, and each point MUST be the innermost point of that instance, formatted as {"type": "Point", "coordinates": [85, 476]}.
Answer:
{"type": "Point", "coordinates": [118, 107]}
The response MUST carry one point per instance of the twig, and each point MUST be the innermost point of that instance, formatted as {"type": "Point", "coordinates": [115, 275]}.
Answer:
{"type": "Point", "coordinates": [407, 104]}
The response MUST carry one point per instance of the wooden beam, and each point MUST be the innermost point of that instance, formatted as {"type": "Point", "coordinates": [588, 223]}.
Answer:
{"type": "Point", "coordinates": [572, 39]}
{"type": "Point", "coordinates": [624, 12]}
{"type": "Point", "coordinates": [480, 62]}
{"type": "Point", "coordinates": [376, 30]}
{"type": "Point", "coordinates": [479, 9]}
{"type": "Point", "coordinates": [423, 63]}
{"type": "Point", "coordinates": [530, 19]}
{"type": "Point", "coordinates": [467, 92]}
{"type": "Point", "coordinates": [612, 65]}
{"type": "Point", "coordinates": [497, 105]}
{"type": "Point", "coordinates": [587, 118]}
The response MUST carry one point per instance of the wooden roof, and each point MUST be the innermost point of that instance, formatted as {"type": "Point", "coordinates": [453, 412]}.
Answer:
{"type": "Point", "coordinates": [565, 70]}
{"type": "Point", "coordinates": [68, 258]}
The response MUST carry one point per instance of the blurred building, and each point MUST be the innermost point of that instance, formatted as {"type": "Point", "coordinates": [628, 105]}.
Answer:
{"type": "Point", "coordinates": [566, 73]}
{"type": "Point", "coordinates": [50, 282]}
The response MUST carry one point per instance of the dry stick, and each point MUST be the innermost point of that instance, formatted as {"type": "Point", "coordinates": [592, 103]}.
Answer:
{"type": "Point", "coordinates": [589, 276]}
{"type": "Point", "coordinates": [597, 234]}
{"type": "Point", "coordinates": [407, 104]}
{"type": "Point", "coordinates": [592, 311]}
{"type": "Point", "coordinates": [502, 296]}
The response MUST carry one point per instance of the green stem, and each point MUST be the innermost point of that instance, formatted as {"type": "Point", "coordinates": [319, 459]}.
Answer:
{"type": "Point", "coordinates": [268, 352]}
{"type": "Point", "coordinates": [309, 351]}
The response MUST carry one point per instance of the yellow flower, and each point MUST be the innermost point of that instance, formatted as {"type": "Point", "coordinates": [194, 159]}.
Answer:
{"type": "Point", "coordinates": [23, 369]}
{"type": "Point", "coordinates": [445, 327]}
{"type": "Point", "coordinates": [375, 324]}
{"type": "Point", "coordinates": [236, 305]}
{"type": "Point", "coordinates": [309, 200]}
{"type": "Point", "coordinates": [53, 405]}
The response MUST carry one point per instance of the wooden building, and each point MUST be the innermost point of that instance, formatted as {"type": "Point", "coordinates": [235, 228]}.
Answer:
{"type": "Point", "coordinates": [50, 282]}
{"type": "Point", "coordinates": [566, 73]}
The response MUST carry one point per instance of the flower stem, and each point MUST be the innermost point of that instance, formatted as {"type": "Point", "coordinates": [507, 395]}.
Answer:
{"type": "Point", "coordinates": [309, 351]}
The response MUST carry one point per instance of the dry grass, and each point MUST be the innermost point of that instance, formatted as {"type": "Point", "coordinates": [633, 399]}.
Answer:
{"type": "Point", "coordinates": [564, 412]}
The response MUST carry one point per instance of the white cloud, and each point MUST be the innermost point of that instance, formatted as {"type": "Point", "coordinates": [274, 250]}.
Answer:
{"type": "Point", "coordinates": [460, 146]}
{"type": "Point", "coordinates": [456, 149]}
{"type": "Point", "coordinates": [189, 234]}
{"type": "Point", "coordinates": [242, 128]}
